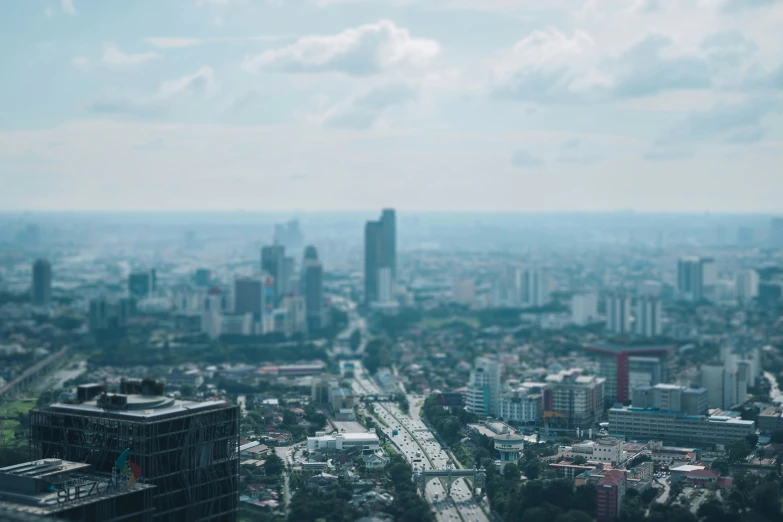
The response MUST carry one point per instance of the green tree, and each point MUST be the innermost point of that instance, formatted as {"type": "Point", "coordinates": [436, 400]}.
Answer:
{"type": "Point", "coordinates": [777, 437]}
{"type": "Point", "coordinates": [273, 465]}
{"type": "Point", "coordinates": [738, 451]}
{"type": "Point", "coordinates": [511, 472]}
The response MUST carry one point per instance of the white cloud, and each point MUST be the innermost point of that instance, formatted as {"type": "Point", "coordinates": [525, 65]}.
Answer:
{"type": "Point", "coordinates": [68, 7]}
{"type": "Point", "coordinates": [365, 50]}
{"type": "Point", "coordinates": [112, 55]}
{"type": "Point", "coordinates": [168, 42]}
{"type": "Point", "coordinates": [364, 111]}
{"type": "Point", "coordinates": [80, 62]}
{"type": "Point", "coordinates": [550, 66]}
{"type": "Point", "coordinates": [200, 83]}
{"type": "Point", "coordinates": [177, 42]}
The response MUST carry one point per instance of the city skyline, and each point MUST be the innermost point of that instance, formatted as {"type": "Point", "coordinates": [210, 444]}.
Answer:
{"type": "Point", "coordinates": [333, 104]}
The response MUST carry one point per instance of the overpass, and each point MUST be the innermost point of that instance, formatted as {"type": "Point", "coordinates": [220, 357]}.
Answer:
{"type": "Point", "coordinates": [422, 476]}
{"type": "Point", "coordinates": [380, 397]}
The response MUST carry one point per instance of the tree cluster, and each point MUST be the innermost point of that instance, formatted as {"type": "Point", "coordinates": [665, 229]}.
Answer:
{"type": "Point", "coordinates": [448, 423]}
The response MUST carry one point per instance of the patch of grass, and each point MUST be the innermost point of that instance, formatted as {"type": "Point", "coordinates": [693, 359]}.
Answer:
{"type": "Point", "coordinates": [13, 409]}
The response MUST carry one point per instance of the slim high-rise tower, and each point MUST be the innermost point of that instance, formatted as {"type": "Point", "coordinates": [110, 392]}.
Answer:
{"type": "Point", "coordinates": [380, 251]}
{"type": "Point", "coordinates": [273, 261]}
{"type": "Point", "coordinates": [42, 282]}
{"type": "Point", "coordinates": [311, 285]}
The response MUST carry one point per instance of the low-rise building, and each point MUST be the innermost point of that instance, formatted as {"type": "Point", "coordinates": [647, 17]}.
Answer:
{"type": "Point", "coordinates": [770, 419]}
{"type": "Point", "coordinates": [366, 443]}
{"type": "Point", "coordinates": [649, 424]}
{"type": "Point", "coordinates": [606, 450]}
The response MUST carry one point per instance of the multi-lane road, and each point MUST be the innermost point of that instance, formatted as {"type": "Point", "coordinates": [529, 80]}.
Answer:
{"type": "Point", "coordinates": [419, 446]}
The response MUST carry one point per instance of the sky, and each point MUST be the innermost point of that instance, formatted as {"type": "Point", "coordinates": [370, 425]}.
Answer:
{"type": "Point", "coordinates": [480, 105]}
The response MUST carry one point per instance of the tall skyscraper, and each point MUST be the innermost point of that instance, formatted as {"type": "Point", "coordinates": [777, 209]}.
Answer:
{"type": "Point", "coordinates": [41, 288]}
{"type": "Point", "coordinates": [746, 284]}
{"type": "Point", "coordinates": [584, 308]}
{"type": "Point", "coordinates": [648, 317]}
{"type": "Point", "coordinates": [618, 314]}
{"type": "Point", "coordinates": [273, 262]}
{"type": "Point", "coordinates": [311, 284]}
{"type": "Point", "coordinates": [380, 251]}
{"type": "Point", "coordinates": [535, 288]}
{"type": "Point", "coordinates": [695, 277]}
{"type": "Point", "coordinates": [249, 296]}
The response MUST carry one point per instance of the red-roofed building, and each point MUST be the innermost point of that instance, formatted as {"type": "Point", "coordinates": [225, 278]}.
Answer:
{"type": "Point", "coordinates": [609, 495]}
{"type": "Point", "coordinates": [701, 477]}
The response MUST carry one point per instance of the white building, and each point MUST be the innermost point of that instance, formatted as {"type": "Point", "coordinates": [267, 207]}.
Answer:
{"type": "Point", "coordinates": [236, 324]}
{"type": "Point", "coordinates": [535, 288]}
{"type": "Point", "coordinates": [606, 450]}
{"type": "Point", "coordinates": [210, 315]}
{"type": "Point", "coordinates": [746, 285]}
{"type": "Point", "coordinates": [726, 385]}
{"type": "Point", "coordinates": [463, 290]}
{"type": "Point", "coordinates": [648, 317]}
{"type": "Point", "coordinates": [584, 308]}
{"type": "Point", "coordinates": [295, 315]}
{"type": "Point", "coordinates": [618, 314]}
{"type": "Point", "coordinates": [520, 406]}
{"type": "Point", "coordinates": [484, 388]}
{"type": "Point", "coordinates": [366, 442]}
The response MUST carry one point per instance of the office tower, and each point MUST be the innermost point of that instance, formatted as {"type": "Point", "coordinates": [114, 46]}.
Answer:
{"type": "Point", "coordinates": [289, 235]}
{"type": "Point", "coordinates": [287, 275]}
{"type": "Point", "coordinates": [618, 314]}
{"type": "Point", "coordinates": [311, 284]}
{"type": "Point", "coordinates": [670, 397]}
{"type": "Point", "coordinates": [249, 296]}
{"type": "Point", "coordinates": [746, 284]}
{"type": "Point", "coordinates": [295, 321]}
{"type": "Point", "coordinates": [709, 277]}
{"type": "Point", "coordinates": [142, 284]}
{"type": "Point", "coordinates": [648, 317]}
{"type": "Point", "coordinates": [389, 224]}
{"type": "Point", "coordinates": [572, 400]}
{"type": "Point", "coordinates": [615, 362]}
{"type": "Point", "coordinates": [202, 277]}
{"type": "Point", "coordinates": [49, 488]}
{"type": "Point", "coordinates": [672, 427]}
{"type": "Point", "coordinates": [273, 262]}
{"type": "Point", "coordinates": [188, 450]}
{"type": "Point", "coordinates": [110, 316]}
{"type": "Point", "coordinates": [484, 388]}
{"type": "Point", "coordinates": [535, 288]}
{"type": "Point", "coordinates": [689, 278]}
{"type": "Point", "coordinates": [380, 246]}
{"type": "Point", "coordinates": [726, 386]}
{"type": "Point", "coordinates": [744, 236]}
{"type": "Point", "coordinates": [776, 231]}
{"type": "Point", "coordinates": [584, 308]}
{"type": "Point", "coordinates": [310, 253]}
{"type": "Point", "coordinates": [385, 285]}
{"type": "Point", "coordinates": [507, 289]}
{"type": "Point", "coordinates": [42, 283]}
{"type": "Point", "coordinates": [463, 290]}
{"type": "Point", "coordinates": [212, 312]}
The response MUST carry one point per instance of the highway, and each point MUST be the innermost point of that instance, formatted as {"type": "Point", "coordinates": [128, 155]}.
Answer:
{"type": "Point", "coordinates": [419, 446]}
